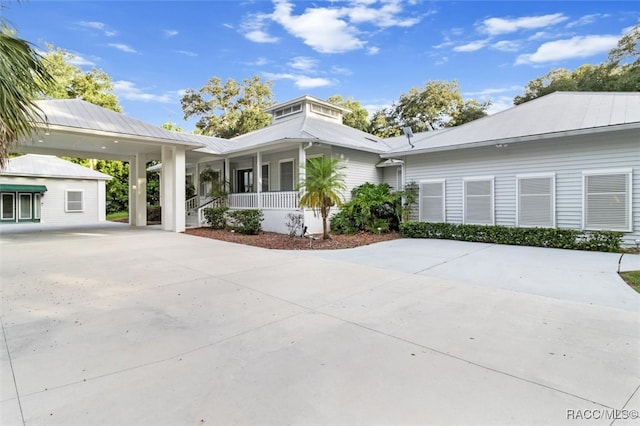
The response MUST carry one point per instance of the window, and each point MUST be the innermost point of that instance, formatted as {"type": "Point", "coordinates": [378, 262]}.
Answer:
{"type": "Point", "coordinates": [245, 180]}
{"type": "Point", "coordinates": [288, 110]}
{"type": "Point", "coordinates": [478, 201]}
{"type": "Point", "coordinates": [8, 206]}
{"type": "Point", "coordinates": [607, 200]}
{"type": "Point", "coordinates": [37, 207]}
{"type": "Point", "coordinates": [74, 201]}
{"type": "Point", "coordinates": [431, 207]}
{"type": "Point", "coordinates": [536, 200]}
{"type": "Point", "coordinates": [286, 175]}
{"type": "Point", "coordinates": [265, 177]}
{"type": "Point", "coordinates": [24, 203]}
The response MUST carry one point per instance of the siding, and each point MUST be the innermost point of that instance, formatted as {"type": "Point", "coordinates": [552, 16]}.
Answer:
{"type": "Point", "coordinates": [390, 177]}
{"type": "Point", "coordinates": [53, 201]}
{"type": "Point", "coordinates": [567, 158]}
{"type": "Point", "coordinates": [360, 168]}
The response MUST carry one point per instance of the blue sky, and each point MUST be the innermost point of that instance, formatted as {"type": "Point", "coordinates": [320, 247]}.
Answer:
{"type": "Point", "coordinates": [370, 50]}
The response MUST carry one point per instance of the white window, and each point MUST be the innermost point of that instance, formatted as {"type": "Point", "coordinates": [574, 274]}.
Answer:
{"type": "Point", "coordinates": [74, 201]}
{"type": "Point", "coordinates": [478, 201]}
{"type": "Point", "coordinates": [37, 205]}
{"type": "Point", "coordinates": [286, 175]}
{"type": "Point", "coordinates": [265, 177]}
{"type": "Point", "coordinates": [536, 200]}
{"type": "Point", "coordinates": [607, 200]}
{"type": "Point", "coordinates": [432, 202]}
{"type": "Point", "coordinates": [8, 206]}
{"type": "Point", "coordinates": [25, 206]}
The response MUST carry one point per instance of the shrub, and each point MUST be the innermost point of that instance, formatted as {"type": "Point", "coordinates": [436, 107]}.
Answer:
{"type": "Point", "coordinates": [216, 216]}
{"type": "Point", "coordinates": [154, 213]}
{"type": "Point", "coordinates": [295, 223]}
{"type": "Point", "coordinates": [371, 207]}
{"type": "Point", "coordinates": [537, 237]}
{"type": "Point", "coordinates": [247, 222]}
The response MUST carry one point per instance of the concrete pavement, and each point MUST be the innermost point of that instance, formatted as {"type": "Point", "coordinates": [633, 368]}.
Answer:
{"type": "Point", "coordinates": [139, 326]}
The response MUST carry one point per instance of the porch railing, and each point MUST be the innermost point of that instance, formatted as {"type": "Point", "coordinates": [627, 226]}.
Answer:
{"type": "Point", "coordinates": [269, 200]}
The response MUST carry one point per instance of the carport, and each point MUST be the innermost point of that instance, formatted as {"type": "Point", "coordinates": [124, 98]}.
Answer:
{"type": "Point", "coordinates": [77, 128]}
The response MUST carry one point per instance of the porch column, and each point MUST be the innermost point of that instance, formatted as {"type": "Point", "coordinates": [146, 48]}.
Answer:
{"type": "Point", "coordinates": [227, 174]}
{"type": "Point", "coordinates": [302, 162]}
{"type": "Point", "coordinates": [173, 182]}
{"type": "Point", "coordinates": [138, 190]}
{"type": "Point", "coordinates": [259, 178]}
{"type": "Point", "coordinates": [196, 182]}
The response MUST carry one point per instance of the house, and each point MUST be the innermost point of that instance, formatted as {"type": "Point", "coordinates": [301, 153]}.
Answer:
{"type": "Point", "coordinates": [48, 190]}
{"type": "Point", "coordinates": [567, 160]}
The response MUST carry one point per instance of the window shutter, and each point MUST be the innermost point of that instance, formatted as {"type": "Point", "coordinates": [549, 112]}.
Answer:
{"type": "Point", "coordinates": [265, 178]}
{"type": "Point", "coordinates": [607, 201]}
{"type": "Point", "coordinates": [478, 202]}
{"type": "Point", "coordinates": [535, 202]}
{"type": "Point", "coordinates": [74, 201]}
{"type": "Point", "coordinates": [432, 202]}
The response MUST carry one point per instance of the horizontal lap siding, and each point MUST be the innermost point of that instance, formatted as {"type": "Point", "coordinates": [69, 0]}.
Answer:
{"type": "Point", "coordinates": [567, 158]}
{"type": "Point", "coordinates": [360, 167]}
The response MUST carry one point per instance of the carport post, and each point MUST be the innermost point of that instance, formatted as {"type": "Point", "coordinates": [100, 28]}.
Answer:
{"type": "Point", "coordinates": [138, 190]}
{"type": "Point", "coordinates": [173, 189]}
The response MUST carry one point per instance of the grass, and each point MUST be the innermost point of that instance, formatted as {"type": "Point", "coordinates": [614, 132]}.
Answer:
{"type": "Point", "coordinates": [117, 216]}
{"type": "Point", "coordinates": [632, 278]}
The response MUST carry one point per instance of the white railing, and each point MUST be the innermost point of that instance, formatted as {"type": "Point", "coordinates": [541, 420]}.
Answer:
{"type": "Point", "coordinates": [268, 200]}
{"type": "Point", "coordinates": [191, 203]}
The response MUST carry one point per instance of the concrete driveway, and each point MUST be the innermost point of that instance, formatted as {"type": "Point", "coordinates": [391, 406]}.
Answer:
{"type": "Point", "coordinates": [138, 326]}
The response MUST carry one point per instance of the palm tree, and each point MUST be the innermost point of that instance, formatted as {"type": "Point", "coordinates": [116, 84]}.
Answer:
{"type": "Point", "coordinates": [22, 78]}
{"type": "Point", "coordinates": [322, 185]}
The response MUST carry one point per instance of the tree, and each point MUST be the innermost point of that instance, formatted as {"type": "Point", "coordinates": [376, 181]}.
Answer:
{"type": "Point", "coordinates": [619, 73]}
{"type": "Point", "coordinates": [467, 112]}
{"type": "Point", "coordinates": [429, 108]}
{"type": "Point", "coordinates": [231, 109]}
{"type": "Point", "coordinates": [22, 77]}
{"type": "Point", "coordinates": [357, 118]}
{"type": "Point", "coordinates": [384, 124]}
{"type": "Point", "coordinates": [71, 82]}
{"type": "Point", "coordinates": [322, 187]}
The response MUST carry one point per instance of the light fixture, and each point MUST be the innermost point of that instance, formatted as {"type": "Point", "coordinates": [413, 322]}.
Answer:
{"type": "Point", "coordinates": [115, 141]}
{"type": "Point", "coordinates": [47, 133]}
{"type": "Point", "coordinates": [103, 147]}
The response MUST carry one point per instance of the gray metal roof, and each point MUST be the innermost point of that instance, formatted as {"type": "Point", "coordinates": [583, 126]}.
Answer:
{"type": "Point", "coordinates": [49, 166]}
{"type": "Point", "coordinates": [557, 114]}
{"type": "Point", "coordinates": [79, 114]}
{"type": "Point", "coordinates": [303, 127]}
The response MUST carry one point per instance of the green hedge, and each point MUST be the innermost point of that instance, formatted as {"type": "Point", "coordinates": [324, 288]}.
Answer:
{"type": "Point", "coordinates": [536, 237]}
{"type": "Point", "coordinates": [216, 216]}
{"type": "Point", "coordinates": [248, 222]}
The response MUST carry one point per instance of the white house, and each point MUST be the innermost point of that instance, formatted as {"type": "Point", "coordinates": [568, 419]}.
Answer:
{"type": "Point", "coordinates": [567, 160]}
{"type": "Point", "coordinates": [48, 190]}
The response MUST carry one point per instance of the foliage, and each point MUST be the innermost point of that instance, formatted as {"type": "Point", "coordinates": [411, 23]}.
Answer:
{"type": "Point", "coordinates": [154, 213]}
{"type": "Point", "coordinates": [383, 124]}
{"type": "Point", "coordinates": [322, 187]}
{"type": "Point", "coordinates": [247, 222]}
{"type": "Point", "coordinates": [71, 82]}
{"type": "Point", "coordinates": [537, 237]}
{"type": "Point", "coordinates": [22, 76]}
{"type": "Point", "coordinates": [295, 224]}
{"type": "Point", "coordinates": [153, 185]}
{"type": "Point", "coordinates": [216, 216]}
{"type": "Point", "coordinates": [373, 208]}
{"type": "Point", "coordinates": [357, 118]}
{"type": "Point", "coordinates": [619, 73]}
{"type": "Point", "coordinates": [632, 278]}
{"type": "Point", "coordinates": [117, 189]}
{"type": "Point", "coordinates": [117, 216]}
{"type": "Point", "coordinates": [189, 189]}
{"type": "Point", "coordinates": [231, 109]}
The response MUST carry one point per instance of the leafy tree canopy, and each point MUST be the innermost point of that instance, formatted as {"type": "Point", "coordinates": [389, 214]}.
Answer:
{"type": "Point", "coordinates": [71, 82]}
{"type": "Point", "coordinates": [229, 109]}
{"type": "Point", "coordinates": [357, 118]}
{"type": "Point", "coordinates": [619, 73]}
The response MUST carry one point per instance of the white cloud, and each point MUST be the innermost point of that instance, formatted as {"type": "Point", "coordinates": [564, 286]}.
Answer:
{"type": "Point", "coordinates": [341, 70]}
{"type": "Point", "coordinates": [493, 91]}
{"type": "Point", "coordinates": [586, 20]}
{"type": "Point", "coordinates": [496, 26]}
{"type": "Point", "coordinates": [304, 63]}
{"type": "Point", "coordinates": [260, 36]}
{"type": "Point", "coordinates": [386, 16]}
{"type": "Point", "coordinates": [255, 29]}
{"type": "Point", "coordinates": [123, 47]}
{"type": "Point", "coordinates": [186, 53]}
{"type": "Point", "coordinates": [575, 47]}
{"type": "Point", "coordinates": [79, 60]}
{"type": "Point", "coordinates": [128, 90]}
{"type": "Point", "coordinates": [500, 104]}
{"type": "Point", "coordinates": [471, 47]}
{"type": "Point", "coordinates": [96, 25]}
{"type": "Point", "coordinates": [506, 45]}
{"type": "Point", "coordinates": [300, 81]}
{"type": "Point", "coordinates": [170, 33]}
{"type": "Point", "coordinates": [373, 50]}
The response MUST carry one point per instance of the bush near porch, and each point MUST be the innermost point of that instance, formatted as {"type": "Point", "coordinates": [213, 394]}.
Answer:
{"type": "Point", "coordinates": [247, 222]}
{"type": "Point", "coordinates": [606, 241]}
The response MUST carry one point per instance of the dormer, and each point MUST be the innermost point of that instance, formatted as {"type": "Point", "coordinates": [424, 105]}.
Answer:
{"type": "Point", "coordinates": [309, 106]}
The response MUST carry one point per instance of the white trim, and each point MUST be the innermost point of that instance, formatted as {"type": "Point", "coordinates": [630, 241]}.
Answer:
{"type": "Point", "coordinates": [553, 196]}
{"type": "Point", "coordinates": [37, 205]}
{"type": "Point", "coordinates": [19, 206]}
{"type": "Point", "coordinates": [66, 201]}
{"type": "Point", "coordinates": [493, 198]}
{"type": "Point", "coordinates": [628, 172]}
{"type": "Point", "coordinates": [442, 183]}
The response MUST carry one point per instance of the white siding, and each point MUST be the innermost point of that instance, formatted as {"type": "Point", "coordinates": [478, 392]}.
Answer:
{"type": "Point", "coordinates": [389, 175]}
{"type": "Point", "coordinates": [53, 201]}
{"type": "Point", "coordinates": [567, 158]}
{"type": "Point", "coordinates": [360, 168]}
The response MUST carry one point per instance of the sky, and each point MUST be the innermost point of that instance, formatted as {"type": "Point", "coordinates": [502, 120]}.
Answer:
{"type": "Point", "coordinates": [370, 50]}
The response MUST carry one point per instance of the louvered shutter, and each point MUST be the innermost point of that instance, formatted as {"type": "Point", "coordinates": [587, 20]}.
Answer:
{"type": "Point", "coordinates": [478, 202]}
{"type": "Point", "coordinates": [432, 202]}
{"type": "Point", "coordinates": [607, 201]}
{"type": "Point", "coordinates": [535, 202]}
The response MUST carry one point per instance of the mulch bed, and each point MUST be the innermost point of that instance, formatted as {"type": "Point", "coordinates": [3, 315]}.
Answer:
{"type": "Point", "coordinates": [271, 240]}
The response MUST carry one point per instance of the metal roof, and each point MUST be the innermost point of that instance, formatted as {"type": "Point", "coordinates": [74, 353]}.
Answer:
{"type": "Point", "coordinates": [36, 165]}
{"type": "Point", "coordinates": [557, 114]}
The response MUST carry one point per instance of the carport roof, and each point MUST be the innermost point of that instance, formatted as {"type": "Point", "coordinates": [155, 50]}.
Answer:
{"type": "Point", "coordinates": [555, 115]}
{"type": "Point", "coordinates": [49, 166]}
